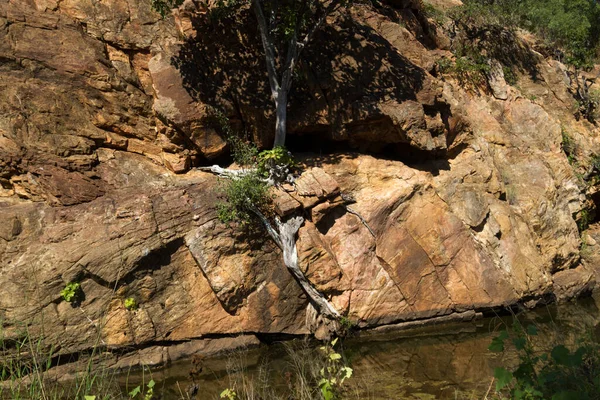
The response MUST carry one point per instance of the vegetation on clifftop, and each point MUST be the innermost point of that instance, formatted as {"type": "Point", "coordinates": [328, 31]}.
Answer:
{"type": "Point", "coordinates": [570, 28]}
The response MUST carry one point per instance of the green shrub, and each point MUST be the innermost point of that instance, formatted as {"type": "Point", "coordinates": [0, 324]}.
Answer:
{"type": "Point", "coordinates": [568, 144]}
{"type": "Point", "coordinates": [572, 26]}
{"type": "Point", "coordinates": [509, 75]}
{"type": "Point", "coordinates": [242, 195]}
{"type": "Point", "coordinates": [72, 292]}
{"type": "Point", "coordinates": [584, 220]}
{"type": "Point", "coordinates": [595, 162]}
{"type": "Point", "coordinates": [275, 162]}
{"type": "Point", "coordinates": [555, 374]}
{"type": "Point", "coordinates": [243, 152]}
{"type": "Point", "coordinates": [469, 70]}
{"type": "Point", "coordinates": [444, 65]}
{"type": "Point", "coordinates": [163, 7]}
{"type": "Point", "coordinates": [130, 304]}
{"type": "Point", "coordinates": [434, 13]}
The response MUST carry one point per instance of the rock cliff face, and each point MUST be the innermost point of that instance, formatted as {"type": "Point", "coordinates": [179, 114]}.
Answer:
{"type": "Point", "coordinates": [469, 202]}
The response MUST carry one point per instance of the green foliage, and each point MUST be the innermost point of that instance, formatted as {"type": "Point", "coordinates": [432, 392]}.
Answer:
{"type": "Point", "coordinates": [584, 220]}
{"type": "Point", "coordinates": [509, 75]}
{"type": "Point", "coordinates": [228, 394]}
{"type": "Point", "coordinates": [163, 7]}
{"type": "Point", "coordinates": [242, 151]}
{"type": "Point", "coordinates": [570, 25]}
{"type": "Point", "coordinates": [469, 67]}
{"type": "Point", "coordinates": [557, 374]}
{"type": "Point", "coordinates": [137, 391]}
{"type": "Point", "coordinates": [22, 374]}
{"type": "Point", "coordinates": [471, 70]}
{"type": "Point", "coordinates": [444, 65]}
{"type": "Point", "coordinates": [130, 304]}
{"type": "Point", "coordinates": [346, 326]}
{"type": "Point", "coordinates": [568, 144]}
{"type": "Point", "coordinates": [72, 292]}
{"type": "Point", "coordinates": [242, 195]}
{"type": "Point", "coordinates": [334, 373]}
{"type": "Point", "coordinates": [309, 374]}
{"type": "Point", "coordinates": [431, 12]}
{"type": "Point", "coordinates": [277, 161]}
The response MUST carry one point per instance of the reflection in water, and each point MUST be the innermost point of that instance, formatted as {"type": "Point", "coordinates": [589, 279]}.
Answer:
{"type": "Point", "coordinates": [443, 362]}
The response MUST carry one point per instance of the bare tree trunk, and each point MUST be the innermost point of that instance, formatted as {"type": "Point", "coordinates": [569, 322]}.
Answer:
{"type": "Point", "coordinates": [281, 118]}
{"type": "Point", "coordinates": [287, 237]}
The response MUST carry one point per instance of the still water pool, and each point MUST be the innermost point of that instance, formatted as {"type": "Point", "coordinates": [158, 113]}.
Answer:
{"type": "Point", "coordinates": [449, 361]}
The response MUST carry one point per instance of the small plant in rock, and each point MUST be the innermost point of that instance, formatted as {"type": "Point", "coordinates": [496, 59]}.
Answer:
{"type": "Point", "coordinates": [275, 164]}
{"type": "Point", "coordinates": [434, 13]}
{"type": "Point", "coordinates": [72, 292]}
{"type": "Point", "coordinates": [469, 67]}
{"type": "Point", "coordinates": [509, 75]}
{"type": "Point", "coordinates": [243, 195]}
{"type": "Point", "coordinates": [130, 304]}
{"type": "Point", "coordinates": [242, 151]}
{"type": "Point", "coordinates": [595, 162]}
{"type": "Point", "coordinates": [444, 65]}
{"type": "Point", "coordinates": [568, 144]}
{"type": "Point", "coordinates": [584, 220]}
{"type": "Point", "coordinates": [346, 326]}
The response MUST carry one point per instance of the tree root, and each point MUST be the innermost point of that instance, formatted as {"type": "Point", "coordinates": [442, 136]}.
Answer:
{"type": "Point", "coordinates": [285, 238]}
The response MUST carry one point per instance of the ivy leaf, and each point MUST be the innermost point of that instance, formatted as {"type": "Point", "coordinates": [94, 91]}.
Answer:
{"type": "Point", "coordinates": [520, 343]}
{"type": "Point", "coordinates": [503, 378]}
{"type": "Point", "coordinates": [346, 373]}
{"type": "Point", "coordinates": [532, 330]}
{"type": "Point", "coordinates": [560, 354]}
{"type": "Point", "coordinates": [497, 345]}
{"type": "Point", "coordinates": [135, 392]}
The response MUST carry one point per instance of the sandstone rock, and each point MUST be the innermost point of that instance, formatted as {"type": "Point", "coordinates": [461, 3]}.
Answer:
{"type": "Point", "coordinates": [320, 211]}
{"type": "Point", "coordinates": [495, 76]}
{"type": "Point", "coordinates": [573, 282]}
{"type": "Point", "coordinates": [285, 204]}
{"type": "Point", "coordinates": [472, 208]}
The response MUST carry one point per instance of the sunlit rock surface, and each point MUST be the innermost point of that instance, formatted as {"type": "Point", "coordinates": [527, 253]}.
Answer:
{"type": "Point", "coordinates": [468, 200]}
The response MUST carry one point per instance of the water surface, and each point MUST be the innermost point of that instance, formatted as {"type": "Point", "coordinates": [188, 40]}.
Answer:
{"type": "Point", "coordinates": [441, 362]}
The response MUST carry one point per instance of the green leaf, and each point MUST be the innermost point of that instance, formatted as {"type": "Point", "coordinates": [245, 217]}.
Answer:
{"type": "Point", "coordinates": [567, 395]}
{"type": "Point", "coordinates": [532, 330]}
{"type": "Point", "coordinates": [560, 354]}
{"type": "Point", "coordinates": [503, 378]}
{"type": "Point", "coordinates": [520, 343]}
{"type": "Point", "coordinates": [228, 394]}
{"type": "Point", "coordinates": [135, 392]}
{"type": "Point", "coordinates": [497, 345]}
{"type": "Point", "coordinates": [334, 342]}
{"type": "Point", "coordinates": [151, 384]}
{"type": "Point", "coordinates": [335, 356]}
{"type": "Point", "coordinates": [326, 389]}
{"type": "Point", "coordinates": [89, 397]}
{"type": "Point", "coordinates": [346, 373]}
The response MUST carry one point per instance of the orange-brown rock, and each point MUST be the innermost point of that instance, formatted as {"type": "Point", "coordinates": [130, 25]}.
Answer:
{"type": "Point", "coordinates": [465, 203]}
